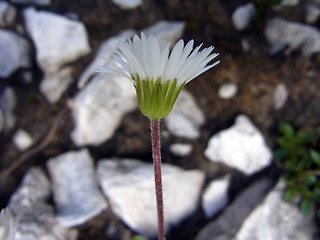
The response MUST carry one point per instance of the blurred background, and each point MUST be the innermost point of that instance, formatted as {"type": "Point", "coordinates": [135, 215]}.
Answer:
{"type": "Point", "coordinates": [242, 145]}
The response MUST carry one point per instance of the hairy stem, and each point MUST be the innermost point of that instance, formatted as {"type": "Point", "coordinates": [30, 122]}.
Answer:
{"type": "Point", "coordinates": [156, 154]}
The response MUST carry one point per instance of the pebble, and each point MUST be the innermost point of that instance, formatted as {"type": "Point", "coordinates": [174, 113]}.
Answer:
{"type": "Point", "coordinates": [22, 140]}
{"type": "Point", "coordinates": [242, 147]}
{"type": "Point", "coordinates": [280, 96]}
{"type": "Point", "coordinates": [181, 149]}
{"type": "Point", "coordinates": [127, 181]}
{"type": "Point", "coordinates": [36, 220]}
{"type": "Point", "coordinates": [312, 12]}
{"type": "Point", "coordinates": [128, 4]}
{"type": "Point", "coordinates": [228, 90]}
{"type": "Point", "coordinates": [283, 34]}
{"type": "Point", "coordinates": [287, 222]}
{"type": "Point", "coordinates": [7, 105]}
{"type": "Point", "coordinates": [75, 190]}
{"type": "Point", "coordinates": [7, 14]}
{"type": "Point", "coordinates": [215, 196]}
{"type": "Point", "coordinates": [230, 220]}
{"type": "Point", "coordinates": [186, 117]}
{"type": "Point", "coordinates": [15, 53]}
{"type": "Point", "coordinates": [53, 85]}
{"type": "Point", "coordinates": [242, 16]}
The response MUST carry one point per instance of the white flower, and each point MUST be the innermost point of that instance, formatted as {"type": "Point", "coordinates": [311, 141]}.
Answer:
{"type": "Point", "coordinates": [8, 225]}
{"type": "Point", "coordinates": [158, 74]}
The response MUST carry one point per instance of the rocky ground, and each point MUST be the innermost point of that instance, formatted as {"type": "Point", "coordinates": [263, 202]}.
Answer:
{"type": "Point", "coordinates": [75, 150]}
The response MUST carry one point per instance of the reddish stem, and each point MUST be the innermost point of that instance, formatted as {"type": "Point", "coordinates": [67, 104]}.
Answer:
{"type": "Point", "coordinates": [156, 154]}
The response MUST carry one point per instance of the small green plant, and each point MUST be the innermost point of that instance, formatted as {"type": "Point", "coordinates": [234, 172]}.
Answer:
{"type": "Point", "coordinates": [299, 156]}
{"type": "Point", "coordinates": [138, 237]}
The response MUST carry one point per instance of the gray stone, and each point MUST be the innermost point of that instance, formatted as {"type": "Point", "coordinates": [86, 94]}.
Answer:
{"type": "Point", "coordinates": [228, 90]}
{"type": "Point", "coordinates": [7, 106]}
{"type": "Point", "coordinates": [280, 96]}
{"type": "Point", "coordinates": [291, 36]}
{"type": "Point", "coordinates": [129, 186]}
{"type": "Point", "coordinates": [54, 84]}
{"type": "Point", "coordinates": [128, 4]}
{"type": "Point", "coordinates": [22, 140]}
{"type": "Point", "coordinates": [8, 225]}
{"type": "Point", "coordinates": [312, 13]}
{"type": "Point", "coordinates": [242, 16]}
{"type": "Point", "coordinates": [242, 146]}
{"type": "Point", "coordinates": [275, 219]}
{"type": "Point", "coordinates": [181, 149]}
{"type": "Point", "coordinates": [215, 196]}
{"type": "Point", "coordinates": [230, 221]}
{"type": "Point", "coordinates": [14, 52]}
{"type": "Point", "coordinates": [75, 189]}
{"type": "Point", "coordinates": [186, 117]}
{"type": "Point", "coordinates": [36, 2]}
{"type": "Point", "coordinates": [289, 3]}
{"type": "Point", "coordinates": [58, 41]}
{"type": "Point", "coordinates": [7, 14]}
{"type": "Point", "coordinates": [35, 217]}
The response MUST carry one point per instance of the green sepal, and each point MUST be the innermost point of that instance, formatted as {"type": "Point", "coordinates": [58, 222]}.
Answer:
{"type": "Point", "coordinates": [155, 97]}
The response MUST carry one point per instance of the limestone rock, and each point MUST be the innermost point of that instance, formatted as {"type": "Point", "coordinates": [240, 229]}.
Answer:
{"type": "Point", "coordinates": [75, 189]}
{"type": "Point", "coordinates": [215, 196]}
{"type": "Point", "coordinates": [181, 149]}
{"type": "Point", "coordinates": [241, 17]}
{"type": "Point", "coordinates": [35, 217]}
{"type": "Point", "coordinates": [228, 90]}
{"type": "Point", "coordinates": [22, 140]}
{"type": "Point", "coordinates": [242, 146]}
{"type": "Point", "coordinates": [128, 4]}
{"type": "Point", "coordinates": [125, 182]}
{"type": "Point", "coordinates": [186, 117]}
{"type": "Point", "coordinates": [291, 36]}
{"type": "Point", "coordinates": [276, 219]}
{"type": "Point", "coordinates": [14, 53]}
{"type": "Point", "coordinates": [312, 13]}
{"type": "Point", "coordinates": [280, 96]}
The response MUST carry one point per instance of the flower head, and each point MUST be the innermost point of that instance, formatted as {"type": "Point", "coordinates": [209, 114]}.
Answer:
{"type": "Point", "coordinates": [8, 225]}
{"type": "Point", "coordinates": [158, 74]}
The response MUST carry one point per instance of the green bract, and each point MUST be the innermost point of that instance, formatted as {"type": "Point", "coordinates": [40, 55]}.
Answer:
{"type": "Point", "coordinates": [156, 98]}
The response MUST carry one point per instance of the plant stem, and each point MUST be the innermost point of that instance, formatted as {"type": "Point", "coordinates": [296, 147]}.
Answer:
{"type": "Point", "coordinates": [156, 154]}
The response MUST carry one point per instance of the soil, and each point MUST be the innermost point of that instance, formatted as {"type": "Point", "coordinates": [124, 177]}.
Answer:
{"type": "Point", "coordinates": [255, 72]}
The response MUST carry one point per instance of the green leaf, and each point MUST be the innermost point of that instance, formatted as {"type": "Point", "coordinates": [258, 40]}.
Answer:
{"type": "Point", "coordinates": [139, 237]}
{"type": "Point", "coordinates": [315, 156]}
{"type": "Point", "coordinates": [281, 153]}
{"type": "Point", "coordinates": [287, 129]}
{"type": "Point", "coordinates": [288, 194]}
{"type": "Point", "coordinates": [305, 206]}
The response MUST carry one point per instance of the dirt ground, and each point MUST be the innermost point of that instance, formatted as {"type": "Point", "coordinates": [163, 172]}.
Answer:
{"type": "Point", "coordinates": [256, 73]}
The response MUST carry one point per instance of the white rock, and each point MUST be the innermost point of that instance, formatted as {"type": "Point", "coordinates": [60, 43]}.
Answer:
{"type": "Point", "coordinates": [312, 13]}
{"type": "Point", "coordinates": [7, 105]}
{"type": "Point", "coordinates": [54, 84]}
{"type": "Point", "coordinates": [242, 16]}
{"type": "Point", "coordinates": [181, 149]}
{"type": "Point", "coordinates": [281, 34]}
{"type": "Point", "coordinates": [242, 147]}
{"type": "Point", "coordinates": [22, 140]}
{"type": "Point", "coordinates": [37, 2]}
{"type": "Point", "coordinates": [171, 31]}
{"type": "Point", "coordinates": [36, 220]}
{"type": "Point", "coordinates": [228, 90]}
{"type": "Point", "coordinates": [98, 109]}
{"type": "Point", "coordinates": [215, 196]}
{"type": "Point", "coordinates": [276, 219]}
{"type": "Point", "coordinates": [14, 52]}
{"type": "Point", "coordinates": [75, 189]}
{"type": "Point", "coordinates": [7, 14]}
{"type": "Point", "coordinates": [186, 117]}
{"type": "Point", "coordinates": [129, 186]}
{"type": "Point", "coordinates": [280, 96]}
{"type": "Point", "coordinates": [127, 4]}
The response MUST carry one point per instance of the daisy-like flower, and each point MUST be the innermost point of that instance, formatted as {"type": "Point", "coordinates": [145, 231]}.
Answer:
{"type": "Point", "coordinates": [159, 75]}
{"type": "Point", "coordinates": [8, 225]}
